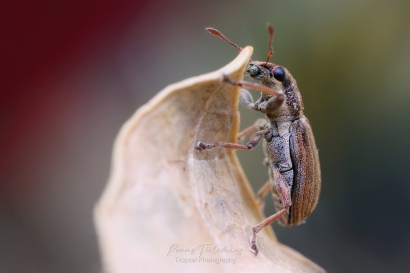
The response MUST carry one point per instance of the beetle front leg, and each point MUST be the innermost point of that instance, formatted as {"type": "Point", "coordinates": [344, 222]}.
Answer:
{"type": "Point", "coordinates": [283, 191]}
{"type": "Point", "coordinates": [252, 143]}
{"type": "Point", "coordinates": [272, 105]}
{"type": "Point", "coordinates": [246, 99]}
{"type": "Point", "coordinates": [280, 96]}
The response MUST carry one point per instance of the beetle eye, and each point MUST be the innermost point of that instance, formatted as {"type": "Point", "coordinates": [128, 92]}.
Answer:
{"type": "Point", "coordinates": [279, 74]}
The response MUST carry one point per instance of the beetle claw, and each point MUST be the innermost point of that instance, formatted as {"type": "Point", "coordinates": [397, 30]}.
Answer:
{"type": "Point", "coordinates": [254, 249]}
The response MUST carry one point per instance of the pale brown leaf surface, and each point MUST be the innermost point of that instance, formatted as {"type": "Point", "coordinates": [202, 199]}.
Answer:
{"type": "Point", "coordinates": [162, 192]}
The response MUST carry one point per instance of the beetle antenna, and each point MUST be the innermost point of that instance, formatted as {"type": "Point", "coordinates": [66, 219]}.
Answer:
{"type": "Point", "coordinates": [271, 31]}
{"type": "Point", "coordinates": [220, 35]}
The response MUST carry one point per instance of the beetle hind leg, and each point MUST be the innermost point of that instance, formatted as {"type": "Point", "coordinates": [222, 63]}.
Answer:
{"type": "Point", "coordinates": [284, 191]}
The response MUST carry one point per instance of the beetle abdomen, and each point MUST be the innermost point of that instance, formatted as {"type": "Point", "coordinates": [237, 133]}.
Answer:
{"type": "Point", "coordinates": [306, 166]}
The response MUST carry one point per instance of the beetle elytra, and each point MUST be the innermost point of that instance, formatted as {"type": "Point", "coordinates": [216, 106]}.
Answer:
{"type": "Point", "coordinates": [289, 144]}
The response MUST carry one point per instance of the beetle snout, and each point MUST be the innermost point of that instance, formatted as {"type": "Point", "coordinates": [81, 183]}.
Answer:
{"type": "Point", "coordinates": [254, 70]}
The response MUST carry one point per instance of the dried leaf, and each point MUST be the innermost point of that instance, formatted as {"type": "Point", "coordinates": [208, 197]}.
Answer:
{"type": "Point", "coordinates": [163, 196]}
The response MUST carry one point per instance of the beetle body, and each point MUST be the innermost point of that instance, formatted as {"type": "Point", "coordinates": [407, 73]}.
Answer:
{"type": "Point", "coordinates": [289, 144]}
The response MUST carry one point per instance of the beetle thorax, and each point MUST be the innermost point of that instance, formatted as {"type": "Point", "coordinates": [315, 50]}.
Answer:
{"type": "Point", "coordinates": [267, 74]}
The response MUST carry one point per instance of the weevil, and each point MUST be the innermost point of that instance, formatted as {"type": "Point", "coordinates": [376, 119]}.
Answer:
{"type": "Point", "coordinates": [288, 142]}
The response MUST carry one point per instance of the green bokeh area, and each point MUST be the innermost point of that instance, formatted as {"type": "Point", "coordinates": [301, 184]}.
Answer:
{"type": "Point", "coordinates": [351, 60]}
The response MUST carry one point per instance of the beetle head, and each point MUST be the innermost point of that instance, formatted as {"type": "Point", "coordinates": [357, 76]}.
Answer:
{"type": "Point", "coordinates": [269, 74]}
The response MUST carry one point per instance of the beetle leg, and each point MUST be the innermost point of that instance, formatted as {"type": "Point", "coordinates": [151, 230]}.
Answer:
{"type": "Point", "coordinates": [247, 131]}
{"type": "Point", "coordinates": [273, 104]}
{"type": "Point", "coordinates": [263, 192]}
{"type": "Point", "coordinates": [252, 143]}
{"type": "Point", "coordinates": [283, 191]}
{"type": "Point", "coordinates": [246, 99]}
{"type": "Point", "coordinates": [280, 96]}
{"type": "Point", "coordinates": [259, 124]}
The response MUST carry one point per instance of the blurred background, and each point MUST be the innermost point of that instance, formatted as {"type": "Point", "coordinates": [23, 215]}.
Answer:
{"type": "Point", "coordinates": [72, 72]}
